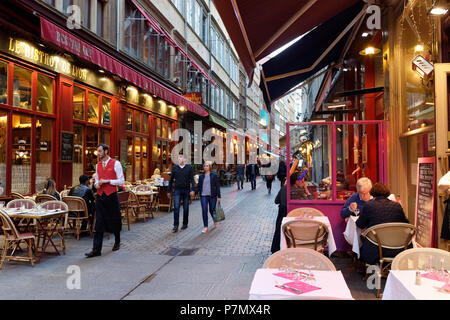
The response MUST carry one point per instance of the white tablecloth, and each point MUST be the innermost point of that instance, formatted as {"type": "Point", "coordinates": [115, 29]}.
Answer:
{"type": "Point", "coordinates": [325, 220]}
{"type": "Point", "coordinates": [352, 234]}
{"type": "Point", "coordinates": [332, 286]}
{"type": "Point", "coordinates": [400, 285]}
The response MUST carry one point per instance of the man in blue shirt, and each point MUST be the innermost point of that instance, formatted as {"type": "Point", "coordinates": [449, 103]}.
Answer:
{"type": "Point", "coordinates": [357, 200]}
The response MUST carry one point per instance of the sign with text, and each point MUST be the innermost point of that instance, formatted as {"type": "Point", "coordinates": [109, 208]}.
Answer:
{"type": "Point", "coordinates": [195, 97]}
{"type": "Point", "coordinates": [425, 202]}
{"type": "Point", "coordinates": [66, 146]}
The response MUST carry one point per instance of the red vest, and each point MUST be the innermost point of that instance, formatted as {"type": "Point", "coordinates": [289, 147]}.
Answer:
{"type": "Point", "coordinates": [108, 173]}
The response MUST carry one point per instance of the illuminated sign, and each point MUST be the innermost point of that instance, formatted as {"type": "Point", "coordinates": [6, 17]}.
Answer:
{"type": "Point", "coordinates": [195, 97]}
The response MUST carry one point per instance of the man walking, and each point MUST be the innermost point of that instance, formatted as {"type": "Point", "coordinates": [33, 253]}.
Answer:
{"type": "Point", "coordinates": [108, 176]}
{"type": "Point", "coordinates": [240, 176]}
{"type": "Point", "coordinates": [182, 178]}
{"type": "Point", "coordinates": [254, 171]}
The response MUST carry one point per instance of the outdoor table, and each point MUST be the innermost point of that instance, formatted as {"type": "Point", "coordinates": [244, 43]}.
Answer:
{"type": "Point", "coordinates": [327, 285]}
{"type": "Point", "coordinates": [352, 234]}
{"type": "Point", "coordinates": [323, 219]}
{"type": "Point", "coordinates": [400, 285]}
{"type": "Point", "coordinates": [41, 218]}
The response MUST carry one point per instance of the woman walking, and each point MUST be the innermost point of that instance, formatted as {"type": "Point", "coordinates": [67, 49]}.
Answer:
{"type": "Point", "coordinates": [209, 189]}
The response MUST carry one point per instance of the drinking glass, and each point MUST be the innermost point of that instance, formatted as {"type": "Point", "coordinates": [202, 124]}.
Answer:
{"type": "Point", "coordinates": [430, 264]}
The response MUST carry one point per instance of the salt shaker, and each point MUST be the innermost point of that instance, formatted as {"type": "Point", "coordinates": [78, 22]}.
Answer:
{"type": "Point", "coordinates": [418, 278]}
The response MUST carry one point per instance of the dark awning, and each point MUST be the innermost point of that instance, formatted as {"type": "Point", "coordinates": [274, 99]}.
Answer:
{"type": "Point", "coordinates": [309, 55]}
{"type": "Point", "coordinates": [257, 28]}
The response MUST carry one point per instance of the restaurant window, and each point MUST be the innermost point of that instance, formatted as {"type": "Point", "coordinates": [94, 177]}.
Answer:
{"type": "Point", "coordinates": [44, 149]}
{"type": "Point", "coordinates": [137, 121]}
{"type": "Point", "coordinates": [22, 87]}
{"type": "Point", "coordinates": [44, 93]}
{"type": "Point", "coordinates": [164, 130]}
{"type": "Point", "coordinates": [3, 82]}
{"type": "Point", "coordinates": [145, 174]}
{"type": "Point", "coordinates": [137, 159]}
{"type": "Point", "coordinates": [129, 115]}
{"type": "Point", "coordinates": [78, 154]}
{"type": "Point", "coordinates": [129, 172]}
{"type": "Point", "coordinates": [91, 149]}
{"type": "Point", "coordinates": [92, 111]}
{"type": "Point", "coordinates": [158, 127]}
{"type": "Point", "coordinates": [79, 98]}
{"type": "Point", "coordinates": [106, 111]}
{"type": "Point", "coordinates": [3, 144]}
{"type": "Point", "coordinates": [145, 123]}
{"type": "Point", "coordinates": [21, 154]}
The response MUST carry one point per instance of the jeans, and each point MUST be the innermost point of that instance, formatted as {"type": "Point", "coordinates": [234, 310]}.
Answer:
{"type": "Point", "coordinates": [178, 194]}
{"type": "Point", "coordinates": [205, 201]}
{"type": "Point", "coordinates": [253, 181]}
{"type": "Point", "coordinates": [240, 181]}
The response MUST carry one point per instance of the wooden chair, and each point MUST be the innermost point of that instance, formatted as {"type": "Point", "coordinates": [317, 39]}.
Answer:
{"type": "Point", "coordinates": [140, 210]}
{"type": "Point", "coordinates": [15, 195]}
{"type": "Point", "coordinates": [61, 227]}
{"type": "Point", "coordinates": [78, 212]}
{"type": "Point", "coordinates": [12, 241]}
{"type": "Point", "coordinates": [41, 198]}
{"type": "Point", "coordinates": [144, 188]}
{"type": "Point", "coordinates": [305, 212]}
{"type": "Point", "coordinates": [419, 259]}
{"type": "Point", "coordinates": [124, 205]}
{"type": "Point", "coordinates": [306, 233]}
{"type": "Point", "coordinates": [393, 235]}
{"type": "Point", "coordinates": [308, 256]}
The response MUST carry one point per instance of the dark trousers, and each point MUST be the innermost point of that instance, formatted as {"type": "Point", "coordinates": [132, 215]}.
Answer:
{"type": "Point", "coordinates": [282, 212]}
{"type": "Point", "coordinates": [283, 179]}
{"type": "Point", "coordinates": [98, 240]}
{"type": "Point", "coordinates": [253, 181]}
{"type": "Point", "coordinates": [205, 202]}
{"type": "Point", "coordinates": [240, 181]}
{"type": "Point", "coordinates": [269, 184]}
{"type": "Point", "coordinates": [178, 195]}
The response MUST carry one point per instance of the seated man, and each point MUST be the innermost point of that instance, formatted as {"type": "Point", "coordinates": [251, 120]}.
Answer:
{"type": "Point", "coordinates": [83, 191]}
{"type": "Point", "coordinates": [357, 200]}
{"type": "Point", "coordinates": [377, 211]}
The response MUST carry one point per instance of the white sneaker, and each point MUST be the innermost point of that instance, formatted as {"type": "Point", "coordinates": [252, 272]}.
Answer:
{"type": "Point", "coordinates": [205, 230]}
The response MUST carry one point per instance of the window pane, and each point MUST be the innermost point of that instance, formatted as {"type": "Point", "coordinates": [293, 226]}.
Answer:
{"type": "Point", "coordinates": [164, 156]}
{"type": "Point", "coordinates": [21, 153]}
{"type": "Point", "coordinates": [144, 159]}
{"type": "Point", "coordinates": [22, 88]}
{"type": "Point", "coordinates": [129, 171]}
{"type": "Point", "coordinates": [91, 149]}
{"type": "Point", "coordinates": [137, 121]}
{"type": "Point", "coordinates": [79, 97]}
{"type": "Point", "coordinates": [3, 140]}
{"type": "Point", "coordinates": [44, 150]}
{"type": "Point", "coordinates": [44, 94]}
{"type": "Point", "coordinates": [3, 82]}
{"type": "Point", "coordinates": [158, 127]}
{"type": "Point", "coordinates": [170, 130]}
{"type": "Point", "coordinates": [77, 165]}
{"type": "Point", "coordinates": [137, 161]}
{"type": "Point", "coordinates": [106, 111]}
{"type": "Point", "coordinates": [129, 120]}
{"type": "Point", "coordinates": [164, 130]}
{"type": "Point", "coordinates": [104, 136]}
{"type": "Point", "coordinates": [145, 123]}
{"type": "Point", "coordinates": [92, 107]}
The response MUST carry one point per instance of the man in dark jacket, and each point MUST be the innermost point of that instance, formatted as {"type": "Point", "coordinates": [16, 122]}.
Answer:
{"type": "Point", "coordinates": [376, 211]}
{"type": "Point", "coordinates": [247, 172]}
{"type": "Point", "coordinates": [182, 178]}
{"type": "Point", "coordinates": [254, 171]}
{"type": "Point", "coordinates": [281, 175]}
{"type": "Point", "coordinates": [84, 191]}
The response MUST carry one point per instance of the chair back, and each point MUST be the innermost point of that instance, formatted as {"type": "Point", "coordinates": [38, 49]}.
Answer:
{"type": "Point", "coordinates": [419, 259]}
{"type": "Point", "coordinates": [18, 203]}
{"type": "Point", "coordinates": [392, 235]}
{"type": "Point", "coordinates": [304, 232]}
{"type": "Point", "coordinates": [55, 205]}
{"type": "Point", "coordinates": [15, 195]}
{"type": "Point", "coordinates": [41, 198]}
{"type": "Point", "coordinates": [8, 226]}
{"type": "Point", "coordinates": [133, 199]}
{"type": "Point", "coordinates": [123, 196]}
{"type": "Point", "coordinates": [64, 193]}
{"type": "Point", "coordinates": [143, 187]}
{"type": "Point", "coordinates": [305, 212]}
{"type": "Point", "coordinates": [76, 204]}
{"type": "Point", "coordinates": [308, 256]}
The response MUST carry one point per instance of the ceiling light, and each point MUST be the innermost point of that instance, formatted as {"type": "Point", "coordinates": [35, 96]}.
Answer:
{"type": "Point", "coordinates": [438, 11]}
{"type": "Point", "coordinates": [418, 48]}
{"type": "Point", "coordinates": [182, 108]}
{"type": "Point", "coordinates": [101, 71]}
{"type": "Point", "coordinates": [369, 51]}
{"type": "Point", "coordinates": [365, 34]}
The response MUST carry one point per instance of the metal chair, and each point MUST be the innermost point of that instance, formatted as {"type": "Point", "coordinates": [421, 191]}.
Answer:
{"type": "Point", "coordinates": [419, 259]}
{"type": "Point", "coordinates": [78, 208]}
{"type": "Point", "coordinates": [12, 241]}
{"type": "Point", "coordinates": [305, 212]}
{"type": "Point", "coordinates": [41, 198]}
{"type": "Point", "coordinates": [306, 233]}
{"type": "Point", "coordinates": [317, 260]}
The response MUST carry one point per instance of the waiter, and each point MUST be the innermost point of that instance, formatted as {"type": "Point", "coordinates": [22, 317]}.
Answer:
{"type": "Point", "coordinates": [108, 176]}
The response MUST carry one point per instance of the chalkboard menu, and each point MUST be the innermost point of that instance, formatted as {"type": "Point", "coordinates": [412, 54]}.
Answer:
{"type": "Point", "coordinates": [425, 202]}
{"type": "Point", "coordinates": [66, 146]}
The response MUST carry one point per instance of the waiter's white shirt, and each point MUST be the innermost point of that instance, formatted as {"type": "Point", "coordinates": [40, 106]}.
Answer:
{"type": "Point", "coordinates": [444, 183]}
{"type": "Point", "coordinates": [119, 173]}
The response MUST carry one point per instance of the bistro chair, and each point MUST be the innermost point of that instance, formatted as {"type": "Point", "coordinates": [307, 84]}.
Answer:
{"type": "Point", "coordinates": [78, 212]}
{"type": "Point", "coordinates": [308, 256]}
{"type": "Point", "coordinates": [64, 193]}
{"type": "Point", "coordinates": [143, 188]}
{"type": "Point", "coordinates": [124, 205]}
{"type": "Point", "coordinates": [60, 227]}
{"type": "Point", "coordinates": [419, 259]}
{"type": "Point", "coordinates": [140, 209]}
{"type": "Point", "coordinates": [41, 198]}
{"type": "Point", "coordinates": [306, 233]}
{"type": "Point", "coordinates": [305, 212]}
{"type": "Point", "coordinates": [15, 195]}
{"type": "Point", "coordinates": [12, 241]}
{"type": "Point", "coordinates": [392, 235]}
{"type": "Point", "coordinates": [19, 203]}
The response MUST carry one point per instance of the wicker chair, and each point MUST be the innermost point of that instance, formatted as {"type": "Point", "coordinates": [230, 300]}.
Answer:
{"type": "Point", "coordinates": [78, 208]}
{"type": "Point", "coordinates": [124, 205]}
{"type": "Point", "coordinates": [143, 187]}
{"type": "Point", "coordinates": [12, 241]}
{"type": "Point", "coordinates": [306, 233]}
{"type": "Point", "coordinates": [305, 255]}
{"type": "Point", "coordinates": [41, 198]}
{"type": "Point", "coordinates": [140, 210]}
{"type": "Point", "coordinates": [61, 227]}
{"type": "Point", "coordinates": [393, 235]}
{"type": "Point", "coordinates": [18, 203]}
{"type": "Point", "coordinates": [15, 195]}
{"type": "Point", "coordinates": [305, 212]}
{"type": "Point", "coordinates": [419, 259]}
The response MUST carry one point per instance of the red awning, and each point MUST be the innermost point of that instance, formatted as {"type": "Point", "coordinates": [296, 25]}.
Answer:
{"type": "Point", "coordinates": [67, 41]}
{"type": "Point", "coordinates": [257, 28]}
{"type": "Point", "coordinates": [172, 42]}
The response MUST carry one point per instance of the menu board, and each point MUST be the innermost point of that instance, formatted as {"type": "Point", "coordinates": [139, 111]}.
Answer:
{"type": "Point", "coordinates": [66, 146]}
{"type": "Point", "coordinates": [425, 202]}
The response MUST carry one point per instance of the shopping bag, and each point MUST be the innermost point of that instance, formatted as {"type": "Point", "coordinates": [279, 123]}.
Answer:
{"type": "Point", "coordinates": [220, 215]}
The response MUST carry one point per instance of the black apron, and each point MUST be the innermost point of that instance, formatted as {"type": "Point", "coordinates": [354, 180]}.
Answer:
{"type": "Point", "coordinates": [108, 216]}
{"type": "Point", "coordinates": [445, 231]}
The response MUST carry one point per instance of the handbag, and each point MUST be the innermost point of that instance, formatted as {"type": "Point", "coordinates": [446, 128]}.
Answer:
{"type": "Point", "coordinates": [218, 215]}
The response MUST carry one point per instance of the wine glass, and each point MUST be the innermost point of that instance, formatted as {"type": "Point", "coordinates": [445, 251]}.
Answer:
{"type": "Point", "coordinates": [430, 268]}
{"type": "Point", "coordinates": [310, 276]}
{"type": "Point", "coordinates": [283, 266]}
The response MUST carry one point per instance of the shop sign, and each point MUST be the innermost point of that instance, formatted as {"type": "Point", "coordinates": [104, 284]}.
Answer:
{"type": "Point", "coordinates": [195, 97]}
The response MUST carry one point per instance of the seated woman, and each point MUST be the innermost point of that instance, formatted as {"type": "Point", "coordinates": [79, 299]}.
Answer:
{"type": "Point", "coordinates": [156, 174]}
{"type": "Point", "coordinates": [377, 211]}
{"type": "Point", "coordinates": [50, 189]}
{"type": "Point", "coordinates": [359, 199]}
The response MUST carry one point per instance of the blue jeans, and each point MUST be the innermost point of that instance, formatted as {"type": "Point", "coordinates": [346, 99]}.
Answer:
{"type": "Point", "coordinates": [240, 181]}
{"type": "Point", "coordinates": [205, 201]}
{"type": "Point", "coordinates": [178, 194]}
{"type": "Point", "coordinates": [253, 181]}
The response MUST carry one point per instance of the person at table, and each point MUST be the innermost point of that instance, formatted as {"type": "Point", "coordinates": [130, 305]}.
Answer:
{"type": "Point", "coordinates": [357, 200]}
{"type": "Point", "coordinates": [108, 176]}
{"type": "Point", "coordinates": [156, 174]}
{"type": "Point", "coordinates": [376, 211]}
{"type": "Point", "coordinates": [50, 189]}
{"type": "Point", "coordinates": [182, 179]}
{"type": "Point", "coordinates": [209, 189]}
{"type": "Point", "coordinates": [84, 191]}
